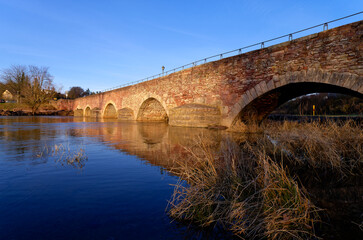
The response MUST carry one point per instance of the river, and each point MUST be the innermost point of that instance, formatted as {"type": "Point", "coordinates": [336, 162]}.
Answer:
{"type": "Point", "coordinates": [81, 178]}
{"type": "Point", "coordinates": [118, 190]}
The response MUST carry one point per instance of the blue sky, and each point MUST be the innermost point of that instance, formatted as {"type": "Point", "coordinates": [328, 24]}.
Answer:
{"type": "Point", "coordinates": [102, 44]}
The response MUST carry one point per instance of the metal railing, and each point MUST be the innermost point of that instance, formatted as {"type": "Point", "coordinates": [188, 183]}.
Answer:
{"type": "Point", "coordinates": [230, 53]}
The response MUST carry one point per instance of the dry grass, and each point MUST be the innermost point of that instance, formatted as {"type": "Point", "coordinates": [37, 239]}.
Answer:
{"type": "Point", "coordinates": [249, 124]}
{"type": "Point", "coordinates": [24, 107]}
{"type": "Point", "coordinates": [253, 198]}
{"type": "Point", "coordinates": [13, 106]}
{"type": "Point", "coordinates": [288, 212]}
{"type": "Point", "coordinates": [47, 106]}
{"type": "Point", "coordinates": [64, 156]}
{"type": "Point", "coordinates": [254, 188]}
{"type": "Point", "coordinates": [328, 151]}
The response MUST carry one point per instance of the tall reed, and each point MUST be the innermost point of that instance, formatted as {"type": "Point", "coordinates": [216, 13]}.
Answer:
{"type": "Point", "coordinates": [255, 188]}
{"type": "Point", "coordinates": [64, 155]}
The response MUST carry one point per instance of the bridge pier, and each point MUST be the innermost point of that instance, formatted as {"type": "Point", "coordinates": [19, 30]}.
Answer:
{"type": "Point", "coordinates": [78, 112]}
{"type": "Point", "coordinates": [195, 115]}
{"type": "Point", "coordinates": [126, 114]}
{"type": "Point", "coordinates": [95, 113]}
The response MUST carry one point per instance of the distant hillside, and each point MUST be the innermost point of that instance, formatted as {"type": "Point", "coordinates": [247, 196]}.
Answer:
{"type": "Point", "coordinates": [325, 104]}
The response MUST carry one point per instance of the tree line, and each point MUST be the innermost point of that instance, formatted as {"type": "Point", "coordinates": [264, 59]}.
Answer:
{"type": "Point", "coordinates": [325, 104]}
{"type": "Point", "coordinates": [76, 92]}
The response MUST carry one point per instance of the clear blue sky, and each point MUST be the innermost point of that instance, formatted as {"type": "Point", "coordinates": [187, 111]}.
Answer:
{"type": "Point", "coordinates": [102, 44]}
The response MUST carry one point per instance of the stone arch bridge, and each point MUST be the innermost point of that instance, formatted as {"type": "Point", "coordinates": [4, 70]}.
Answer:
{"type": "Point", "coordinates": [232, 90]}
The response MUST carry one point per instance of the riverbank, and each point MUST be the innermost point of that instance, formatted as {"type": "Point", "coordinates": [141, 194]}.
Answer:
{"type": "Point", "coordinates": [20, 109]}
{"type": "Point", "coordinates": [38, 113]}
{"type": "Point", "coordinates": [319, 118]}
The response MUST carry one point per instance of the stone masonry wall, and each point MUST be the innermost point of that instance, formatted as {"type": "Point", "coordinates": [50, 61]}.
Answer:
{"type": "Point", "coordinates": [230, 84]}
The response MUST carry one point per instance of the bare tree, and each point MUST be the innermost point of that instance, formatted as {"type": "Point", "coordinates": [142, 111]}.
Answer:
{"type": "Point", "coordinates": [15, 78]}
{"type": "Point", "coordinates": [2, 88]}
{"type": "Point", "coordinates": [39, 88]}
{"type": "Point", "coordinates": [32, 84]}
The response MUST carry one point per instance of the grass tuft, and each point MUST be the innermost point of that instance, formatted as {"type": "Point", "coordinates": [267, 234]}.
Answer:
{"type": "Point", "coordinates": [64, 156]}
{"type": "Point", "coordinates": [256, 188]}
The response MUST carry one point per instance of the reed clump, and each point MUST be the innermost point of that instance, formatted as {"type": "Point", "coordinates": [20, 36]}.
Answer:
{"type": "Point", "coordinates": [329, 152]}
{"type": "Point", "coordinates": [64, 155]}
{"type": "Point", "coordinates": [254, 198]}
{"type": "Point", "coordinates": [254, 188]}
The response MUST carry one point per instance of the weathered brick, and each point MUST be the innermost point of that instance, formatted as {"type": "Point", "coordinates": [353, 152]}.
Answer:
{"type": "Point", "coordinates": [332, 57]}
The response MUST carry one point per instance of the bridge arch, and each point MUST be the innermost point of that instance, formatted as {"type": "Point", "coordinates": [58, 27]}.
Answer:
{"type": "Point", "coordinates": [87, 111]}
{"type": "Point", "coordinates": [110, 110]}
{"type": "Point", "coordinates": [152, 110]}
{"type": "Point", "coordinates": [258, 102]}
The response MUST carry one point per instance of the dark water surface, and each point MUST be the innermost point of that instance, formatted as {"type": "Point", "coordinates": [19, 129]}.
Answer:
{"type": "Point", "coordinates": [118, 187]}
{"type": "Point", "coordinates": [118, 191]}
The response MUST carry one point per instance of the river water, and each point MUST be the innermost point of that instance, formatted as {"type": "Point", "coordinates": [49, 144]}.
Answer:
{"type": "Point", "coordinates": [78, 178]}
{"type": "Point", "coordinates": [117, 190]}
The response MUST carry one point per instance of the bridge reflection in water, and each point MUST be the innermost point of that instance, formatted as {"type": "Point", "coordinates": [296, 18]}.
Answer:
{"type": "Point", "coordinates": [157, 143]}
{"type": "Point", "coordinates": [120, 194]}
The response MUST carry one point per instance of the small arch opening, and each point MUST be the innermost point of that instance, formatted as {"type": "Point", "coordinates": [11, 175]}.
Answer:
{"type": "Point", "coordinates": [110, 111]}
{"type": "Point", "coordinates": [151, 110]}
{"type": "Point", "coordinates": [87, 112]}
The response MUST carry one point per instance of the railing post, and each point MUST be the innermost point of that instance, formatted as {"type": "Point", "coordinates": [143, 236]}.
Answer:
{"type": "Point", "coordinates": [239, 51]}
{"type": "Point", "coordinates": [325, 27]}
{"type": "Point", "coordinates": [221, 56]}
{"type": "Point", "coordinates": [290, 37]}
{"type": "Point", "coordinates": [262, 45]}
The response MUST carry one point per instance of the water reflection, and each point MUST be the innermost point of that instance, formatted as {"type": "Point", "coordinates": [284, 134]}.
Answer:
{"type": "Point", "coordinates": [157, 143]}
{"type": "Point", "coordinates": [113, 197]}
{"type": "Point", "coordinates": [114, 186]}
{"type": "Point", "coordinates": [24, 137]}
